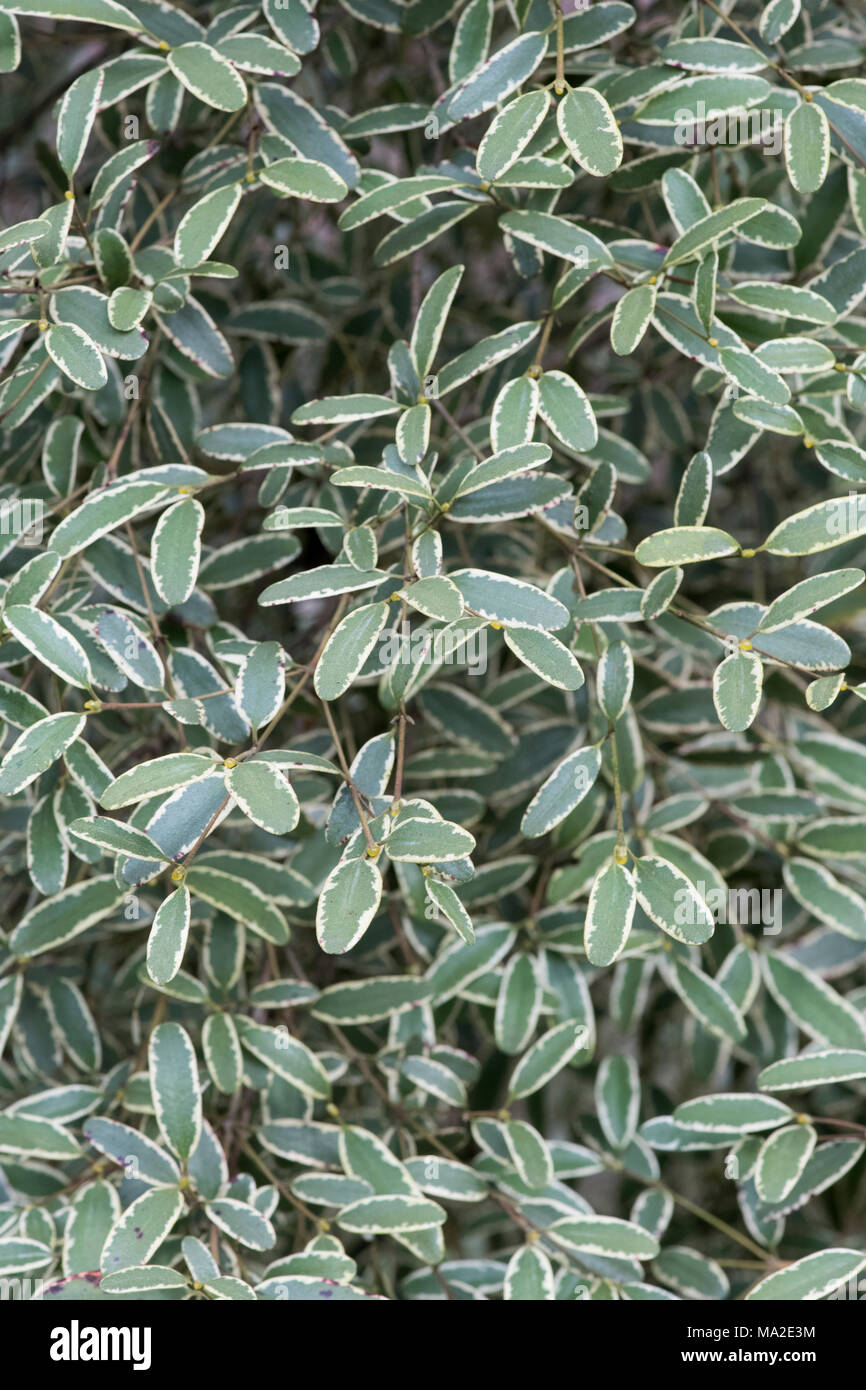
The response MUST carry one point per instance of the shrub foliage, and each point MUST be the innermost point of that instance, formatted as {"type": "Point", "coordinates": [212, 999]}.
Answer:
{"type": "Point", "coordinates": [434, 765]}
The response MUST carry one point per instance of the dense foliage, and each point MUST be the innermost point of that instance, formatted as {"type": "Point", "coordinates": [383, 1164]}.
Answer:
{"type": "Point", "coordinates": [433, 791]}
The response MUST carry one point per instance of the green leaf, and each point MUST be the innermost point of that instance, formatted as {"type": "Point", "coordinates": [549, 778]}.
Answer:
{"type": "Point", "coordinates": [347, 649]}
{"type": "Point", "coordinates": [343, 410]}
{"type": "Point", "coordinates": [498, 77]}
{"type": "Point", "coordinates": [817, 1068]}
{"type": "Point", "coordinates": [750, 372]}
{"type": "Point", "coordinates": [707, 1000]}
{"type": "Point", "coordinates": [707, 230]}
{"type": "Point", "coordinates": [390, 1215]}
{"type": "Point", "coordinates": [127, 307]}
{"type": "Point", "coordinates": [818, 527]}
{"type": "Point", "coordinates": [115, 837]}
{"type": "Point", "coordinates": [566, 411]}
{"type": "Point", "coordinates": [141, 1229]}
{"type": "Point", "coordinates": [287, 1057]}
{"type": "Point", "coordinates": [685, 545]}
{"type": "Point", "coordinates": [222, 1052]}
{"type": "Point", "coordinates": [32, 1137]}
{"type": "Point", "coordinates": [304, 178]}
{"type": "Point", "coordinates": [367, 1001]}
{"type": "Point", "coordinates": [167, 940]}
{"type": "Point", "coordinates": [546, 656]}
{"type": "Point", "coordinates": [615, 678]}
{"type": "Point", "coordinates": [808, 596]}
{"type": "Point", "coordinates": [145, 1279]}
{"type": "Point", "coordinates": [510, 132]}
{"type": "Point", "coordinates": [511, 602]}
{"type": "Point", "coordinates": [210, 78]}
{"type": "Point", "coordinates": [563, 790]}
{"type": "Point", "coordinates": [631, 318]}
{"type": "Point", "coordinates": [431, 317]}
{"type": "Point", "coordinates": [807, 147]}
{"type": "Point", "coordinates": [740, 1112]}
{"type": "Point", "coordinates": [529, 1277]}
{"type": "Point", "coordinates": [605, 1235]}
{"type": "Point", "coordinates": [545, 1058]}
{"type": "Point", "coordinates": [610, 913]}
{"type": "Point", "coordinates": [176, 550]}
{"type": "Point", "coordinates": [810, 1278]}
{"type": "Point", "coordinates": [76, 355]}
{"type": "Point", "coordinates": [777, 18]}
{"type": "Point", "coordinates": [348, 902]}
{"type": "Point", "coordinates": [737, 685]}
{"type": "Point", "coordinates": [781, 1161]}
{"type": "Point", "coordinates": [832, 902]}
{"type": "Point", "coordinates": [243, 901]}
{"type": "Point", "coordinates": [261, 683]}
{"type": "Point", "coordinates": [422, 841]}
{"type": "Point", "coordinates": [174, 1081]}
{"type": "Point", "coordinates": [34, 751]}
{"type": "Point", "coordinates": [102, 512]}
{"type": "Point", "coordinates": [264, 795]}
{"type": "Point", "coordinates": [670, 900]}
{"type": "Point", "coordinates": [558, 236]}
{"type": "Point", "coordinates": [154, 777]}
{"type": "Point", "coordinates": [589, 129]}
{"type": "Point", "coordinates": [243, 1223]}
{"type": "Point", "coordinates": [784, 300]}
{"type": "Point", "coordinates": [65, 916]}
{"type": "Point", "coordinates": [76, 116]}
{"type": "Point", "coordinates": [201, 228]}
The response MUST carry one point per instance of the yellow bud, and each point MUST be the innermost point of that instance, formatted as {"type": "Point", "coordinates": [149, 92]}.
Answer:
{"type": "Point", "coordinates": [504, 1115]}
{"type": "Point", "coordinates": [197, 1285]}
{"type": "Point", "coordinates": [445, 507]}
{"type": "Point", "coordinates": [747, 554]}
{"type": "Point", "coordinates": [533, 372]}
{"type": "Point", "coordinates": [178, 875]}
{"type": "Point", "coordinates": [844, 685]}
{"type": "Point", "coordinates": [803, 1119]}
{"type": "Point", "coordinates": [323, 1227]}
{"type": "Point", "coordinates": [620, 854]}
{"type": "Point", "coordinates": [422, 400]}
{"type": "Point", "coordinates": [839, 367]}
{"type": "Point", "coordinates": [163, 45]}
{"type": "Point", "coordinates": [69, 195]}
{"type": "Point", "coordinates": [332, 1110]}
{"type": "Point", "coordinates": [230, 762]}
{"type": "Point", "coordinates": [93, 705]}
{"type": "Point", "coordinates": [373, 850]}
{"type": "Point", "coordinates": [532, 1236]}
{"type": "Point", "coordinates": [396, 597]}
{"type": "Point", "coordinates": [185, 489]}
{"type": "Point", "coordinates": [496, 626]}
{"type": "Point", "coordinates": [807, 96]}
{"type": "Point", "coordinates": [43, 324]}
{"type": "Point", "coordinates": [249, 177]}
{"type": "Point", "coordinates": [745, 645]}
{"type": "Point", "coordinates": [485, 186]}
{"type": "Point", "coordinates": [808, 442]}
{"type": "Point", "coordinates": [652, 280]}
{"type": "Point", "coordinates": [713, 342]}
